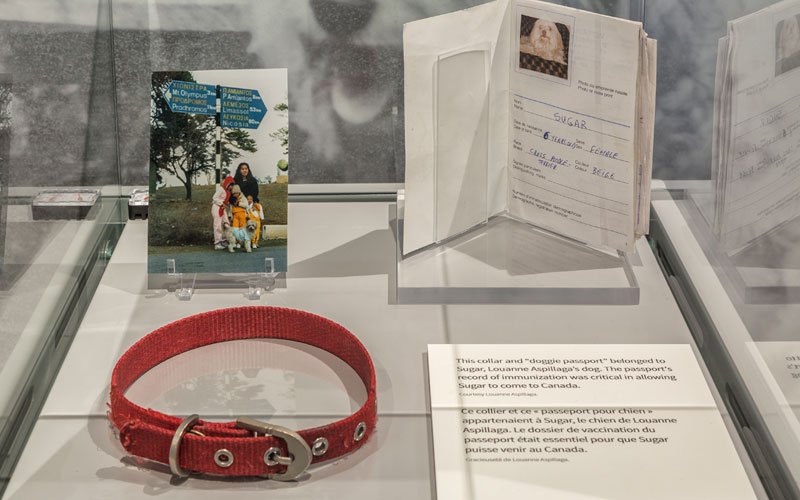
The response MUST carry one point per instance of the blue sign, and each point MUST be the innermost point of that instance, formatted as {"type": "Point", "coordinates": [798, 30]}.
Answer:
{"type": "Point", "coordinates": [241, 108]}
{"type": "Point", "coordinates": [191, 97]}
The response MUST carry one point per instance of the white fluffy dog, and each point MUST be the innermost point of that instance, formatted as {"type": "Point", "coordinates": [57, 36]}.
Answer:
{"type": "Point", "coordinates": [245, 234]}
{"type": "Point", "coordinates": [544, 41]}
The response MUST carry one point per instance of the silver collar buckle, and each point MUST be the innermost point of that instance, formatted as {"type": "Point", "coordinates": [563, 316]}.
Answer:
{"type": "Point", "coordinates": [299, 452]}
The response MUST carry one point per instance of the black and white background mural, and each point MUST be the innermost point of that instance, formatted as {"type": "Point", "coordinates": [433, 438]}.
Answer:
{"type": "Point", "coordinates": [82, 67]}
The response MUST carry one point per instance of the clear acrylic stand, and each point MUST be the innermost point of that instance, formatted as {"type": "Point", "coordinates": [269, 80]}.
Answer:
{"type": "Point", "coordinates": [185, 284]}
{"type": "Point", "coordinates": [185, 288]}
{"type": "Point", "coordinates": [766, 271]}
{"type": "Point", "coordinates": [262, 283]}
{"type": "Point", "coordinates": [506, 261]}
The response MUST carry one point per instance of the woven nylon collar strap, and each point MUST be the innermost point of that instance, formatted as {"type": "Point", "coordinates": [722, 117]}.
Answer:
{"type": "Point", "coordinates": [246, 447]}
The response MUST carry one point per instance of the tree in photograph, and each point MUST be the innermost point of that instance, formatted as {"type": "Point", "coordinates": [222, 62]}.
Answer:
{"type": "Point", "coordinates": [183, 144]}
{"type": "Point", "coordinates": [282, 134]}
{"type": "Point", "coordinates": [178, 141]}
{"type": "Point", "coordinates": [234, 141]}
{"type": "Point", "coordinates": [155, 177]}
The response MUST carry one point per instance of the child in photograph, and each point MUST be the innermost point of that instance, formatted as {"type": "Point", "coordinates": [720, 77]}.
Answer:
{"type": "Point", "coordinates": [239, 208]}
{"type": "Point", "coordinates": [219, 216]}
{"type": "Point", "coordinates": [256, 213]}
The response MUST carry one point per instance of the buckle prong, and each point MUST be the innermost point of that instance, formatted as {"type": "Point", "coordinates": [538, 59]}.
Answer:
{"type": "Point", "coordinates": [299, 452]}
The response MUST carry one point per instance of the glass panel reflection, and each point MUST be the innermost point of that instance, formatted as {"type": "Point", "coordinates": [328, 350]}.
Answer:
{"type": "Point", "coordinates": [57, 134]}
{"type": "Point", "coordinates": [345, 65]}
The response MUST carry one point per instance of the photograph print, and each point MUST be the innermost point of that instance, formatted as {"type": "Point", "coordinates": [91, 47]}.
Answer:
{"type": "Point", "coordinates": [218, 208]}
{"type": "Point", "coordinates": [544, 46]}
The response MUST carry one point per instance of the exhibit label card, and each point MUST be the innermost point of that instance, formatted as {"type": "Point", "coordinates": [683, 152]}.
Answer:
{"type": "Point", "coordinates": [578, 422]}
{"type": "Point", "coordinates": [219, 146]}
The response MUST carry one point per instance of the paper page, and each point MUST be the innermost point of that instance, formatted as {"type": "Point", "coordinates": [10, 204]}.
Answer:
{"type": "Point", "coordinates": [720, 127]}
{"type": "Point", "coordinates": [761, 187]}
{"type": "Point", "coordinates": [575, 421]}
{"type": "Point", "coordinates": [572, 155]}
{"type": "Point", "coordinates": [446, 46]}
{"type": "Point", "coordinates": [646, 115]}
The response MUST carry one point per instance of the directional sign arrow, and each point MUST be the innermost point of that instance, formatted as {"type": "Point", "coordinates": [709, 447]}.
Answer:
{"type": "Point", "coordinates": [191, 97]}
{"type": "Point", "coordinates": [241, 108]}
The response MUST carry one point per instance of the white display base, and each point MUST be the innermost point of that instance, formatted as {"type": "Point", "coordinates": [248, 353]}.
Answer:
{"type": "Point", "coordinates": [340, 265]}
{"type": "Point", "coordinates": [506, 261]}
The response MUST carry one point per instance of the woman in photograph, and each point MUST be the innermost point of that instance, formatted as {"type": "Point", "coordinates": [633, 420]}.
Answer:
{"type": "Point", "coordinates": [246, 181]}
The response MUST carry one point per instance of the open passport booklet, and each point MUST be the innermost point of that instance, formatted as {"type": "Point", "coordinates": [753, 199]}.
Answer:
{"type": "Point", "coordinates": [756, 152]}
{"type": "Point", "coordinates": [535, 111]}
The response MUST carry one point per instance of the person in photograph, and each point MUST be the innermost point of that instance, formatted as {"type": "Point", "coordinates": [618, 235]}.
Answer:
{"type": "Point", "coordinates": [239, 208]}
{"type": "Point", "coordinates": [219, 216]}
{"type": "Point", "coordinates": [256, 213]}
{"type": "Point", "coordinates": [787, 55]}
{"type": "Point", "coordinates": [245, 179]}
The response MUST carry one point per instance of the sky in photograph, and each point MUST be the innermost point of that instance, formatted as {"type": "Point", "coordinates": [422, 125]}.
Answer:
{"type": "Point", "coordinates": [272, 85]}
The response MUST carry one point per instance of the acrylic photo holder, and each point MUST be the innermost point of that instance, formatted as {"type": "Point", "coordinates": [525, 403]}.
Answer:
{"type": "Point", "coordinates": [184, 285]}
{"type": "Point", "coordinates": [506, 261]}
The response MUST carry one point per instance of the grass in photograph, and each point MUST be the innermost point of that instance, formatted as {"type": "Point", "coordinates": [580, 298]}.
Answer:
{"type": "Point", "coordinates": [175, 222]}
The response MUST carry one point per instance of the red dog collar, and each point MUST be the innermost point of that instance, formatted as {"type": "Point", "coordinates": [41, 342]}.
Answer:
{"type": "Point", "coordinates": [246, 447]}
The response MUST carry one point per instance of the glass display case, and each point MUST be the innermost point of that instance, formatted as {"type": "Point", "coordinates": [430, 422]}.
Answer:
{"type": "Point", "coordinates": [61, 212]}
{"type": "Point", "coordinates": [728, 239]}
{"type": "Point", "coordinates": [76, 116]}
